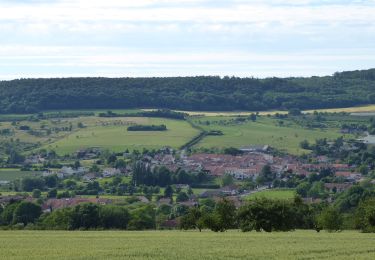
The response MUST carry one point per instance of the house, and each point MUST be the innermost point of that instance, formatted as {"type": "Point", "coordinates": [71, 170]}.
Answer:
{"type": "Point", "coordinates": [53, 204]}
{"type": "Point", "coordinates": [169, 224]}
{"type": "Point", "coordinates": [189, 203]}
{"type": "Point", "coordinates": [89, 177]}
{"type": "Point", "coordinates": [337, 187]}
{"type": "Point", "coordinates": [8, 199]}
{"type": "Point", "coordinates": [255, 148]}
{"type": "Point", "coordinates": [343, 174]}
{"type": "Point", "coordinates": [110, 172]}
{"type": "Point", "coordinates": [164, 201]}
{"type": "Point", "coordinates": [34, 159]}
{"type": "Point", "coordinates": [241, 174]}
{"type": "Point", "coordinates": [210, 194]}
{"type": "Point", "coordinates": [182, 186]}
{"type": "Point", "coordinates": [143, 199]}
{"type": "Point", "coordinates": [230, 190]}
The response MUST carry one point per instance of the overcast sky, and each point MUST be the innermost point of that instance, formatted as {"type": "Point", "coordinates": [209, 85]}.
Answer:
{"type": "Point", "coordinates": [118, 38]}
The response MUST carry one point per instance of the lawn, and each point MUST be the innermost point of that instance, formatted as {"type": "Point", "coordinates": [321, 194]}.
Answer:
{"type": "Point", "coordinates": [274, 194]}
{"type": "Point", "coordinates": [109, 134]}
{"type": "Point", "coordinates": [184, 245]}
{"type": "Point", "coordinates": [13, 174]}
{"type": "Point", "coordinates": [265, 131]}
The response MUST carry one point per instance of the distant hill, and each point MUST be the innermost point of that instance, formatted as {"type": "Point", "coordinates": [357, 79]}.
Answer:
{"type": "Point", "coordinates": [189, 93]}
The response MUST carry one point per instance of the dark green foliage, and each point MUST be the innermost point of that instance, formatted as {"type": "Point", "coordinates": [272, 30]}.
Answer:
{"type": "Point", "coordinates": [222, 218]}
{"type": "Point", "coordinates": [85, 216]}
{"type": "Point", "coordinates": [365, 216]}
{"type": "Point", "coordinates": [161, 176]}
{"type": "Point", "coordinates": [29, 184]}
{"type": "Point", "coordinates": [330, 219]}
{"type": "Point", "coordinates": [232, 151]}
{"type": "Point", "coordinates": [6, 217]}
{"type": "Point", "coordinates": [58, 219]}
{"type": "Point", "coordinates": [36, 194]}
{"type": "Point", "coordinates": [161, 113]}
{"type": "Point", "coordinates": [182, 196]}
{"type": "Point", "coordinates": [192, 220]}
{"type": "Point", "coordinates": [350, 199]}
{"type": "Point", "coordinates": [147, 128]}
{"type": "Point", "coordinates": [114, 217]}
{"type": "Point", "coordinates": [142, 218]}
{"type": "Point", "coordinates": [267, 215]}
{"type": "Point", "coordinates": [266, 175]}
{"type": "Point", "coordinates": [168, 192]}
{"type": "Point", "coordinates": [294, 112]}
{"type": "Point", "coordinates": [26, 212]}
{"type": "Point", "coordinates": [52, 193]}
{"type": "Point", "coordinates": [188, 93]}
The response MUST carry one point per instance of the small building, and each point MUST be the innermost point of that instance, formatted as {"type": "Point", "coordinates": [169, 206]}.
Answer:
{"type": "Point", "coordinates": [337, 187]}
{"type": "Point", "coordinates": [255, 148]}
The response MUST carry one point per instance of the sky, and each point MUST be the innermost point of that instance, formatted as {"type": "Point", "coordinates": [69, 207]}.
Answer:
{"type": "Point", "coordinates": [148, 38]}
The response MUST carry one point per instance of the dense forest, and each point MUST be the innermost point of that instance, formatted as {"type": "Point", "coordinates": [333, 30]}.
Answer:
{"type": "Point", "coordinates": [188, 93]}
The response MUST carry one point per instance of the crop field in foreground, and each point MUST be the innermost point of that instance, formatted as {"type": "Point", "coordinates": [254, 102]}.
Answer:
{"type": "Point", "coordinates": [185, 245]}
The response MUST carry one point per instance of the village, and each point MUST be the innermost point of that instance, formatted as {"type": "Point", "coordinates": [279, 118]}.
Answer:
{"type": "Point", "coordinates": [244, 171]}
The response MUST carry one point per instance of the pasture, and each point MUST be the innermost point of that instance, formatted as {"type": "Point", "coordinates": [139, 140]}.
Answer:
{"type": "Point", "coordinates": [66, 135]}
{"type": "Point", "coordinates": [13, 174]}
{"type": "Point", "coordinates": [111, 133]}
{"type": "Point", "coordinates": [184, 245]}
{"type": "Point", "coordinates": [265, 131]}
{"type": "Point", "coordinates": [284, 194]}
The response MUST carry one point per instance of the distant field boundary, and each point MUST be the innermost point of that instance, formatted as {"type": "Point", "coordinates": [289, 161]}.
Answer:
{"type": "Point", "coordinates": [356, 109]}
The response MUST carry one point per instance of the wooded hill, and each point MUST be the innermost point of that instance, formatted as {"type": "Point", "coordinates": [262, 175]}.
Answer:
{"type": "Point", "coordinates": [188, 93]}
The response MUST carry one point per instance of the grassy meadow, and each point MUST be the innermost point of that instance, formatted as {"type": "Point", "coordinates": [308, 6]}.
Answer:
{"type": "Point", "coordinates": [284, 194]}
{"type": "Point", "coordinates": [184, 245]}
{"type": "Point", "coordinates": [265, 131]}
{"type": "Point", "coordinates": [107, 133]}
{"type": "Point", "coordinates": [112, 134]}
{"type": "Point", "coordinates": [13, 174]}
{"type": "Point", "coordinates": [117, 138]}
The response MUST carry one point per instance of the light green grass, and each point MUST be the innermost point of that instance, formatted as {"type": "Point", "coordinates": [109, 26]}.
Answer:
{"type": "Point", "coordinates": [13, 174]}
{"type": "Point", "coordinates": [265, 131]}
{"type": "Point", "coordinates": [184, 245]}
{"type": "Point", "coordinates": [284, 194]}
{"type": "Point", "coordinates": [117, 138]}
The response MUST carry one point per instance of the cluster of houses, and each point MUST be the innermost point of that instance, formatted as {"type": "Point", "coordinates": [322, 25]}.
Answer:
{"type": "Point", "coordinates": [66, 172]}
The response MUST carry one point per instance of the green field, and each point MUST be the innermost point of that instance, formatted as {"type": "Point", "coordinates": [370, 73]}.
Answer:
{"type": "Point", "coordinates": [115, 137]}
{"type": "Point", "coordinates": [284, 194]}
{"type": "Point", "coordinates": [111, 133]}
{"type": "Point", "coordinates": [265, 131]}
{"type": "Point", "coordinates": [185, 245]}
{"type": "Point", "coordinates": [13, 174]}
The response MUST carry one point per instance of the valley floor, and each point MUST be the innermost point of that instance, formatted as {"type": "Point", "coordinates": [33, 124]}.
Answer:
{"type": "Point", "coordinates": [185, 245]}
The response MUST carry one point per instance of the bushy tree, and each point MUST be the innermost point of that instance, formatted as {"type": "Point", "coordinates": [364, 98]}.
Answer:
{"type": "Point", "coordinates": [330, 219]}
{"type": "Point", "coordinates": [365, 215]}
{"type": "Point", "coordinates": [267, 215]}
{"type": "Point", "coordinates": [85, 216]}
{"type": "Point", "coordinates": [26, 212]}
{"type": "Point", "coordinates": [222, 218]}
{"type": "Point", "coordinates": [114, 217]}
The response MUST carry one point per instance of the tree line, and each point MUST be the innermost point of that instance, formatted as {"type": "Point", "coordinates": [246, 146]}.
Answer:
{"type": "Point", "coordinates": [188, 93]}
{"type": "Point", "coordinates": [257, 215]}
